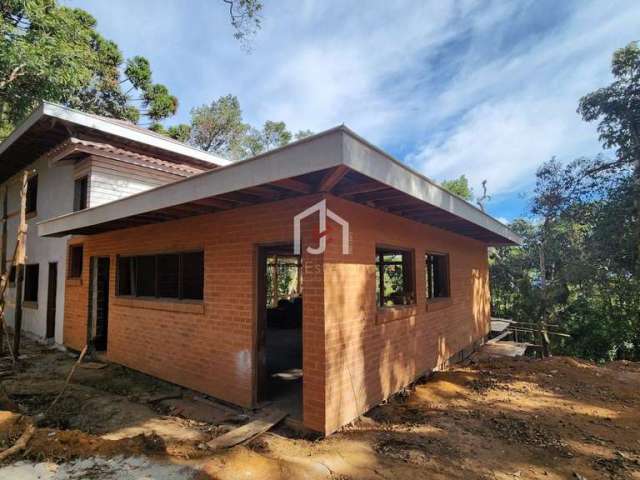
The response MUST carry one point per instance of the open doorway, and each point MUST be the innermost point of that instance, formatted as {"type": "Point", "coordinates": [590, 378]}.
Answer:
{"type": "Point", "coordinates": [99, 295]}
{"type": "Point", "coordinates": [280, 373]}
{"type": "Point", "coordinates": [52, 294]}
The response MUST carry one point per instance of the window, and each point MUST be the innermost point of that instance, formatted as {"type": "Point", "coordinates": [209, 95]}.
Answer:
{"type": "Point", "coordinates": [80, 193]}
{"type": "Point", "coordinates": [394, 277]}
{"type": "Point", "coordinates": [32, 194]}
{"type": "Point", "coordinates": [12, 275]}
{"type": "Point", "coordinates": [437, 272]}
{"type": "Point", "coordinates": [168, 275]}
{"type": "Point", "coordinates": [125, 275]}
{"type": "Point", "coordinates": [31, 274]}
{"type": "Point", "coordinates": [75, 261]}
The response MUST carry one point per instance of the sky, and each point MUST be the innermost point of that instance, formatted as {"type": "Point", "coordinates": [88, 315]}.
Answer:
{"type": "Point", "coordinates": [488, 89]}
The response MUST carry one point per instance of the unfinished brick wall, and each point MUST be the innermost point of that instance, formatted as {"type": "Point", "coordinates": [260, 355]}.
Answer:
{"type": "Point", "coordinates": [207, 346]}
{"type": "Point", "coordinates": [354, 355]}
{"type": "Point", "coordinates": [371, 352]}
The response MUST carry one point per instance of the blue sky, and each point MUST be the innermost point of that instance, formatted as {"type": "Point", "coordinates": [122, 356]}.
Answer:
{"type": "Point", "coordinates": [488, 89]}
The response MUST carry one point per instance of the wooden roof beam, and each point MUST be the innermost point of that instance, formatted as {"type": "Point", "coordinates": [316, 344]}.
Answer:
{"type": "Point", "coordinates": [358, 188]}
{"type": "Point", "coordinates": [332, 178]}
{"type": "Point", "coordinates": [293, 185]}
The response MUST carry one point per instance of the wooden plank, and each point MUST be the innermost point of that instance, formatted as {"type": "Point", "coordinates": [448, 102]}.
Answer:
{"type": "Point", "coordinates": [505, 349]}
{"type": "Point", "coordinates": [365, 187]}
{"type": "Point", "coordinates": [499, 337]}
{"type": "Point", "coordinates": [293, 185]}
{"type": "Point", "coordinates": [247, 432]}
{"type": "Point", "coordinates": [499, 325]}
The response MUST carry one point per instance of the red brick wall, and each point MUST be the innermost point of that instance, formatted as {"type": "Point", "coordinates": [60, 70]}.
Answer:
{"type": "Point", "coordinates": [352, 357]}
{"type": "Point", "coordinates": [209, 347]}
{"type": "Point", "coordinates": [372, 353]}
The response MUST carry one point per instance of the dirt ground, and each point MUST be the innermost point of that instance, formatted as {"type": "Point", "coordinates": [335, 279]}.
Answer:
{"type": "Point", "coordinates": [558, 418]}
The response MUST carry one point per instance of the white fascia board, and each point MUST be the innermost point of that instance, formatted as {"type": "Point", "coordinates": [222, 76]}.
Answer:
{"type": "Point", "coordinates": [297, 159]}
{"type": "Point", "coordinates": [369, 160]}
{"type": "Point", "coordinates": [23, 127]}
{"type": "Point", "coordinates": [133, 134]}
{"type": "Point", "coordinates": [338, 146]}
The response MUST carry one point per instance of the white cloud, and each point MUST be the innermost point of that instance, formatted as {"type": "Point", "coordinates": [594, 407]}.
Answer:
{"type": "Point", "coordinates": [520, 110]}
{"type": "Point", "coordinates": [488, 89]}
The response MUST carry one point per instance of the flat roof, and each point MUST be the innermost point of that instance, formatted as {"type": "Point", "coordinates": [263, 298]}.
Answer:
{"type": "Point", "coordinates": [373, 178]}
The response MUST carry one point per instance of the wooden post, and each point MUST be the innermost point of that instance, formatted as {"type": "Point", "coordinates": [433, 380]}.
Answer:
{"type": "Point", "coordinates": [3, 257]}
{"type": "Point", "coordinates": [19, 263]}
{"type": "Point", "coordinates": [5, 213]}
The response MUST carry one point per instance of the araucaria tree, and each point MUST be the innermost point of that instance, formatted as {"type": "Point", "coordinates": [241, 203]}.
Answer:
{"type": "Point", "coordinates": [51, 52]}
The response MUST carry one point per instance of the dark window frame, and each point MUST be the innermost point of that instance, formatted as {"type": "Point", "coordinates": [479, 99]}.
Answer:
{"type": "Point", "coordinates": [81, 193]}
{"type": "Point", "coordinates": [29, 291]}
{"type": "Point", "coordinates": [437, 276]}
{"type": "Point", "coordinates": [32, 195]}
{"type": "Point", "coordinates": [133, 288]}
{"type": "Point", "coordinates": [75, 268]}
{"type": "Point", "coordinates": [408, 275]}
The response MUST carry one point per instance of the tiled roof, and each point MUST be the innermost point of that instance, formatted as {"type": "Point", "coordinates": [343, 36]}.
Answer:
{"type": "Point", "coordinates": [97, 148]}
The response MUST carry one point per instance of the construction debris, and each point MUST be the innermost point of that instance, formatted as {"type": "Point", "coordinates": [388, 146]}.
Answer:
{"type": "Point", "coordinates": [248, 432]}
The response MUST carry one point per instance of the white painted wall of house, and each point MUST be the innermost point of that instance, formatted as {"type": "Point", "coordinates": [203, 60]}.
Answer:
{"type": "Point", "coordinates": [55, 197]}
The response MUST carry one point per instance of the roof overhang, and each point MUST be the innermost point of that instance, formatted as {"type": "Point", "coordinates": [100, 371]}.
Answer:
{"type": "Point", "coordinates": [336, 161]}
{"type": "Point", "coordinates": [51, 124]}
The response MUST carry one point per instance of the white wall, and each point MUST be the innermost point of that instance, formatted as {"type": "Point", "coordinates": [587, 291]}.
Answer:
{"type": "Point", "coordinates": [55, 197]}
{"type": "Point", "coordinates": [106, 186]}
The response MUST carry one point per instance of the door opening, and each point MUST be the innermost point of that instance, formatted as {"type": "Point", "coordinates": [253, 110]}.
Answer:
{"type": "Point", "coordinates": [52, 293]}
{"type": "Point", "coordinates": [100, 302]}
{"type": "Point", "coordinates": [280, 374]}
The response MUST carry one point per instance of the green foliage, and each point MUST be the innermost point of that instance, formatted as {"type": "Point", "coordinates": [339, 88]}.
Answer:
{"type": "Point", "coordinates": [579, 266]}
{"type": "Point", "coordinates": [180, 132]}
{"type": "Point", "coordinates": [51, 52]}
{"type": "Point", "coordinates": [218, 127]}
{"type": "Point", "coordinates": [460, 187]}
{"type": "Point", "coordinates": [617, 106]}
{"type": "Point", "coordinates": [583, 230]}
{"type": "Point", "coordinates": [245, 16]}
{"type": "Point", "coordinates": [303, 134]}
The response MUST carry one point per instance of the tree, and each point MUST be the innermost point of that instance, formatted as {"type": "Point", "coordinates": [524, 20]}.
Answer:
{"type": "Point", "coordinates": [273, 135]}
{"type": "Point", "coordinates": [181, 132]}
{"type": "Point", "coordinates": [245, 19]}
{"type": "Point", "coordinates": [303, 134]}
{"type": "Point", "coordinates": [574, 268]}
{"type": "Point", "coordinates": [52, 52]}
{"type": "Point", "coordinates": [617, 108]}
{"type": "Point", "coordinates": [460, 187]}
{"type": "Point", "coordinates": [218, 127]}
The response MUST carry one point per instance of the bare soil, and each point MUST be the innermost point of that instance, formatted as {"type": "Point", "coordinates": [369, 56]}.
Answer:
{"type": "Point", "coordinates": [557, 418]}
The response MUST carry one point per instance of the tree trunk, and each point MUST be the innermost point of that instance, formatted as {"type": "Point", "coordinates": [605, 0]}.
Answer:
{"type": "Point", "coordinates": [543, 320]}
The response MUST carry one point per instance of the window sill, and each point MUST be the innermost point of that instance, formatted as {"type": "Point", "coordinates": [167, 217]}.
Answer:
{"type": "Point", "coordinates": [31, 305]}
{"type": "Point", "coordinates": [74, 281]}
{"type": "Point", "coordinates": [162, 304]}
{"type": "Point", "coordinates": [396, 312]}
{"type": "Point", "coordinates": [439, 304]}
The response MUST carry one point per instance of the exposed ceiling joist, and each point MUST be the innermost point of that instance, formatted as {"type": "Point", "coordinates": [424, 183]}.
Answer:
{"type": "Point", "coordinates": [358, 188]}
{"type": "Point", "coordinates": [332, 178]}
{"type": "Point", "coordinates": [293, 185]}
